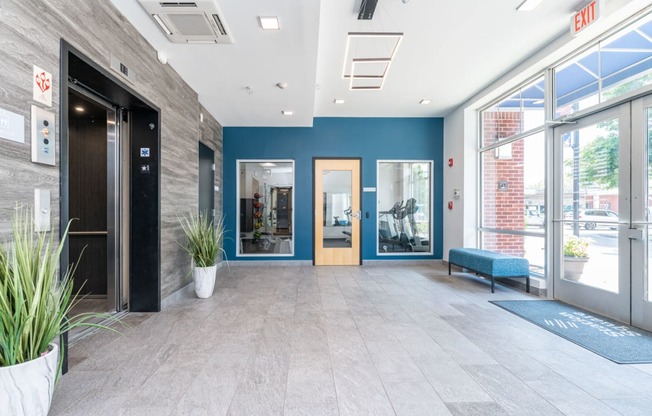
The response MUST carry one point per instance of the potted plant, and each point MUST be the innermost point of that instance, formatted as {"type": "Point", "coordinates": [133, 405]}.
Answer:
{"type": "Point", "coordinates": [34, 309]}
{"type": "Point", "coordinates": [205, 239]}
{"type": "Point", "coordinates": [575, 257]}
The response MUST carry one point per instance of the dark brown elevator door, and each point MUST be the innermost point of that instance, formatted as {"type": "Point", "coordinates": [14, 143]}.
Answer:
{"type": "Point", "coordinates": [88, 194]}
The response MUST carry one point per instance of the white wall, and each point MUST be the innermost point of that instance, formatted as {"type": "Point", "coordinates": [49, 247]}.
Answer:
{"type": "Point", "coordinates": [460, 126]}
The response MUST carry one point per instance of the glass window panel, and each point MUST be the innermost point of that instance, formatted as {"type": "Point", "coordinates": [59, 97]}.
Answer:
{"type": "Point", "coordinates": [265, 204]}
{"type": "Point", "coordinates": [590, 186]}
{"type": "Point", "coordinates": [616, 66]}
{"type": "Point", "coordinates": [337, 188]}
{"type": "Point", "coordinates": [513, 177]}
{"type": "Point", "coordinates": [531, 248]}
{"type": "Point", "coordinates": [404, 208]}
{"type": "Point", "coordinates": [591, 257]}
{"type": "Point", "coordinates": [522, 111]}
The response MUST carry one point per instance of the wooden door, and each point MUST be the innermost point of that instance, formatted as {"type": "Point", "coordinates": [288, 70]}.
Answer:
{"type": "Point", "coordinates": [336, 212]}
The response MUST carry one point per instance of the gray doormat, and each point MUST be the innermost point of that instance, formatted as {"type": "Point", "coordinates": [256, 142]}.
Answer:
{"type": "Point", "coordinates": [611, 339]}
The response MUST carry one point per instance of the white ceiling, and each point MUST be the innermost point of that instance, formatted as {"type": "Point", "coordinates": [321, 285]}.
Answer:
{"type": "Point", "coordinates": [451, 49]}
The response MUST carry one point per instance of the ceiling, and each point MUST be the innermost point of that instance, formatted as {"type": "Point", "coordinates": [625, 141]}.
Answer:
{"type": "Point", "coordinates": [450, 51]}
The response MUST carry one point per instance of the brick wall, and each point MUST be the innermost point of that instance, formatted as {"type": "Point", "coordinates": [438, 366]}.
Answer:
{"type": "Point", "coordinates": [503, 208]}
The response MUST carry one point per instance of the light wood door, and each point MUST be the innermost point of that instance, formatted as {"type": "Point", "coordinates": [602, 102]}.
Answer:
{"type": "Point", "coordinates": [337, 212]}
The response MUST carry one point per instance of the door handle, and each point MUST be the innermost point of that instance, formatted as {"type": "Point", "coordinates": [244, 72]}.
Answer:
{"type": "Point", "coordinates": [357, 215]}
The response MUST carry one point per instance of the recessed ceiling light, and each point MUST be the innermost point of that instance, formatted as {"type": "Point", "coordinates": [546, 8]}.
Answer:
{"type": "Point", "coordinates": [79, 109]}
{"type": "Point", "coordinates": [287, 112]}
{"type": "Point", "coordinates": [269, 23]}
{"type": "Point", "coordinates": [267, 164]}
{"type": "Point", "coordinates": [425, 101]}
{"type": "Point", "coordinates": [338, 101]}
{"type": "Point", "coordinates": [528, 5]}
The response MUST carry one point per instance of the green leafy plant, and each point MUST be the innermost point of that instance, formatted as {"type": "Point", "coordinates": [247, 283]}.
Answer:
{"type": "Point", "coordinates": [205, 238]}
{"type": "Point", "coordinates": [34, 302]}
{"type": "Point", "coordinates": [576, 247]}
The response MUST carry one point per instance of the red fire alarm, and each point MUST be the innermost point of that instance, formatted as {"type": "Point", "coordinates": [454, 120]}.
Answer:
{"type": "Point", "coordinates": [450, 162]}
{"type": "Point", "coordinates": [450, 204]}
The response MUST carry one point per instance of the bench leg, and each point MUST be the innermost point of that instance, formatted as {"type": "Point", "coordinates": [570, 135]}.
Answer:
{"type": "Point", "coordinates": [449, 268]}
{"type": "Point", "coordinates": [527, 284]}
{"type": "Point", "coordinates": [492, 284]}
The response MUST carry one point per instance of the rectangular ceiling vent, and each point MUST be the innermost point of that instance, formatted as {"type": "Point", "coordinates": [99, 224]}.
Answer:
{"type": "Point", "coordinates": [199, 21]}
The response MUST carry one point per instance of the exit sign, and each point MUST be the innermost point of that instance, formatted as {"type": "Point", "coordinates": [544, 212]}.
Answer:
{"type": "Point", "coordinates": [585, 17]}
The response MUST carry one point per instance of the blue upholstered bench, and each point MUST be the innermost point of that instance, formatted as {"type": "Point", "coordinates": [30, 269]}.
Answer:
{"type": "Point", "coordinates": [489, 264]}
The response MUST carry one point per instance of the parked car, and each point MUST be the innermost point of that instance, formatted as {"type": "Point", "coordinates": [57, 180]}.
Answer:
{"type": "Point", "coordinates": [590, 219]}
{"type": "Point", "coordinates": [533, 218]}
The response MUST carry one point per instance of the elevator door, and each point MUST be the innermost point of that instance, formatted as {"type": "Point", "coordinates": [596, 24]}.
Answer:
{"type": "Point", "coordinates": [206, 181]}
{"type": "Point", "coordinates": [93, 201]}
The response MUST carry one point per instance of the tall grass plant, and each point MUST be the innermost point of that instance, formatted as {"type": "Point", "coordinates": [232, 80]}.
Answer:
{"type": "Point", "coordinates": [34, 302]}
{"type": "Point", "coordinates": [205, 238]}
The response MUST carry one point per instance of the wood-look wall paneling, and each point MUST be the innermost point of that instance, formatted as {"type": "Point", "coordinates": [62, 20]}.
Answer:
{"type": "Point", "coordinates": [98, 30]}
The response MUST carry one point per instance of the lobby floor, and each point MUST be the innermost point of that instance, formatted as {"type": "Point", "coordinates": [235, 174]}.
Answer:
{"type": "Point", "coordinates": [370, 340]}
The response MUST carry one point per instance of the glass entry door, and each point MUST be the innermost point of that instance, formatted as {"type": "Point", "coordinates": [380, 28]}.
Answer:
{"type": "Point", "coordinates": [641, 213]}
{"type": "Point", "coordinates": [337, 212]}
{"type": "Point", "coordinates": [601, 226]}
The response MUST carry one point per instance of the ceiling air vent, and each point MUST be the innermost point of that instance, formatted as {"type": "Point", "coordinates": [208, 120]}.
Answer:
{"type": "Point", "coordinates": [198, 21]}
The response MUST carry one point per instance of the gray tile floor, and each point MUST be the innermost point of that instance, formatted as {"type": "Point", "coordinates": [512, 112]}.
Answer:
{"type": "Point", "coordinates": [391, 340]}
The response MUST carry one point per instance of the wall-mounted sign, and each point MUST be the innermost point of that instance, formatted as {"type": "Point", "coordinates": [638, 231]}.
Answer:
{"type": "Point", "coordinates": [503, 185]}
{"type": "Point", "coordinates": [12, 126]}
{"type": "Point", "coordinates": [585, 17]}
{"type": "Point", "coordinates": [42, 86]}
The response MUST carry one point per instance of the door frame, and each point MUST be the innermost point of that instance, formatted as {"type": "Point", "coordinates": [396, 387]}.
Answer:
{"type": "Point", "coordinates": [640, 221]}
{"type": "Point", "coordinates": [144, 217]}
{"type": "Point", "coordinates": [114, 193]}
{"type": "Point", "coordinates": [613, 305]}
{"type": "Point", "coordinates": [314, 204]}
{"type": "Point", "coordinates": [629, 305]}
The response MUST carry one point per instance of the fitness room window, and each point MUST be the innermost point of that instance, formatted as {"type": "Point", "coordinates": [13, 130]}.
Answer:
{"type": "Point", "coordinates": [404, 193]}
{"type": "Point", "coordinates": [266, 207]}
{"type": "Point", "coordinates": [513, 176]}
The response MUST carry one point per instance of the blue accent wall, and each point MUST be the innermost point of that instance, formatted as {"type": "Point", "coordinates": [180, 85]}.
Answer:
{"type": "Point", "coordinates": [371, 139]}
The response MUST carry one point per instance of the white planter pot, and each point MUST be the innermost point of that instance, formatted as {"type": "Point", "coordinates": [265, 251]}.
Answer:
{"type": "Point", "coordinates": [26, 389]}
{"type": "Point", "coordinates": [574, 267]}
{"type": "Point", "coordinates": [204, 278]}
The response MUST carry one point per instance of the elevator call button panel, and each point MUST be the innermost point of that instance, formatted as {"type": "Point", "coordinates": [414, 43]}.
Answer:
{"type": "Point", "coordinates": [43, 139]}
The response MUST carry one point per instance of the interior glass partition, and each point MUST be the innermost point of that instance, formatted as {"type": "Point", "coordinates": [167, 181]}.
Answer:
{"type": "Point", "coordinates": [404, 193]}
{"type": "Point", "coordinates": [266, 207]}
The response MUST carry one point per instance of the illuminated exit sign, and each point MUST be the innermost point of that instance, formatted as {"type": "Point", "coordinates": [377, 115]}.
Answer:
{"type": "Point", "coordinates": [585, 17]}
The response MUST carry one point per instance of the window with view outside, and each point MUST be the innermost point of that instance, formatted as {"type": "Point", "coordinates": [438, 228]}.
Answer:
{"type": "Point", "coordinates": [590, 198]}
{"type": "Point", "coordinates": [615, 66]}
{"type": "Point", "coordinates": [520, 112]}
{"type": "Point", "coordinates": [513, 176]}
{"type": "Point", "coordinates": [404, 207]}
{"type": "Point", "coordinates": [513, 197]}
